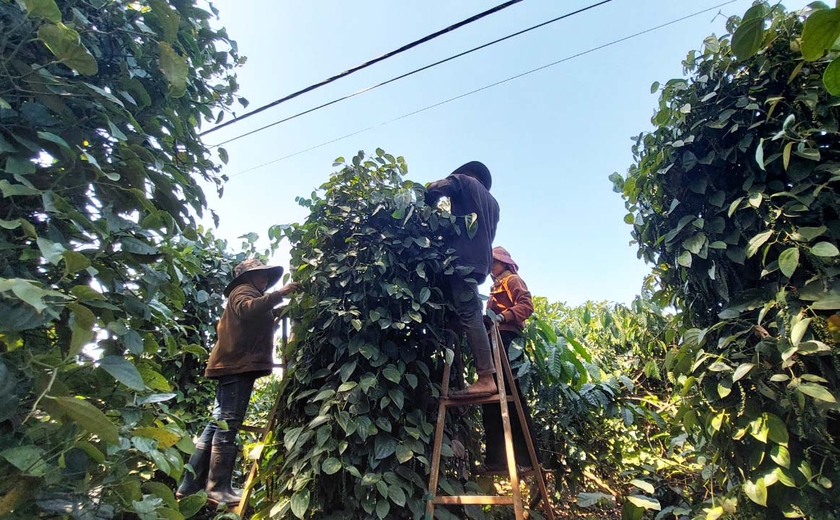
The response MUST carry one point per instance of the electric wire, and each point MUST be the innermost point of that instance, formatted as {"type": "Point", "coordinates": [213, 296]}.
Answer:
{"type": "Point", "coordinates": [415, 71]}
{"type": "Point", "coordinates": [366, 64]}
{"type": "Point", "coordinates": [511, 78]}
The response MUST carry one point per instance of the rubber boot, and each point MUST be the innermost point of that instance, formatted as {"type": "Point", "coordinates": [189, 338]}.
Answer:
{"type": "Point", "coordinates": [219, 490]}
{"type": "Point", "coordinates": [193, 483]}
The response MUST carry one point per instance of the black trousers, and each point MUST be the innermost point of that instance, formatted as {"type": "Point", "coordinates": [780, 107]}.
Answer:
{"type": "Point", "coordinates": [232, 396]}
{"type": "Point", "coordinates": [494, 433]}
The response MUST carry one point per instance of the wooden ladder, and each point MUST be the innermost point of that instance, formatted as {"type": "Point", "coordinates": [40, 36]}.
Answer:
{"type": "Point", "coordinates": [504, 397]}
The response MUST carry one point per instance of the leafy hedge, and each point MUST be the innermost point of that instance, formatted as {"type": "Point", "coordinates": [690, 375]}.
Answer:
{"type": "Point", "coordinates": [108, 287]}
{"type": "Point", "coordinates": [733, 197]}
{"type": "Point", "coordinates": [369, 343]}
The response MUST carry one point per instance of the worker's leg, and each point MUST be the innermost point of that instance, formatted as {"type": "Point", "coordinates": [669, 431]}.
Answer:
{"type": "Point", "coordinates": [467, 305]}
{"type": "Point", "coordinates": [232, 397]}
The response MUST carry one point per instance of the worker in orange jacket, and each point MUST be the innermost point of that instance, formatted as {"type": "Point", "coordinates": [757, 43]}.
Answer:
{"type": "Point", "coordinates": [510, 303]}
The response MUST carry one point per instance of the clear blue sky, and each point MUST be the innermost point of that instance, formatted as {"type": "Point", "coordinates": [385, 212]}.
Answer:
{"type": "Point", "coordinates": [550, 139]}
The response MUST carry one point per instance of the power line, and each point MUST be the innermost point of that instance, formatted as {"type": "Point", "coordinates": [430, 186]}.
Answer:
{"type": "Point", "coordinates": [366, 64]}
{"type": "Point", "coordinates": [511, 78]}
{"type": "Point", "coordinates": [415, 71]}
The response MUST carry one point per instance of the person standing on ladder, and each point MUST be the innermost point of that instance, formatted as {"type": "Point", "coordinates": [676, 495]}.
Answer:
{"type": "Point", "coordinates": [468, 189]}
{"type": "Point", "coordinates": [510, 302]}
{"type": "Point", "coordinates": [244, 351]}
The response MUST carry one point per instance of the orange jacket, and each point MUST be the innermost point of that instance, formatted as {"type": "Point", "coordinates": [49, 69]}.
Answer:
{"type": "Point", "coordinates": [510, 298]}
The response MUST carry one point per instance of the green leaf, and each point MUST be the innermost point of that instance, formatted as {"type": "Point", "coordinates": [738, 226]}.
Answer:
{"type": "Point", "coordinates": [757, 241]}
{"type": "Point", "coordinates": [831, 77]}
{"type": "Point", "coordinates": [189, 506]}
{"type": "Point", "coordinates": [816, 391]}
{"type": "Point", "coordinates": [684, 259]}
{"type": "Point", "coordinates": [748, 38]}
{"type": "Point", "coordinates": [695, 243]}
{"type": "Point", "coordinates": [65, 44]}
{"type": "Point", "coordinates": [74, 262]}
{"type": "Point", "coordinates": [137, 246]}
{"type": "Point", "coordinates": [789, 261]}
{"type": "Point", "coordinates": [383, 507]}
{"type": "Point", "coordinates": [644, 502]}
{"type": "Point", "coordinates": [776, 429]}
{"type": "Point", "coordinates": [645, 486]}
{"type": "Point", "coordinates": [425, 293]}
{"type": "Point", "coordinates": [403, 453]}
{"type": "Point", "coordinates": [123, 371]}
{"type": "Point", "coordinates": [12, 190]}
{"type": "Point", "coordinates": [825, 249]}
{"type": "Point", "coordinates": [29, 292]}
{"type": "Point", "coordinates": [164, 436]}
{"type": "Point", "coordinates": [86, 292]}
{"type": "Point", "coordinates": [16, 165]}
{"type": "Point", "coordinates": [300, 503]}
{"type": "Point", "coordinates": [167, 17]}
{"type": "Point", "coordinates": [742, 370]}
{"type": "Point", "coordinates": [223, 155]}
{"type": "Point", "coordinates": [392, 374]}
{"type": "Point", "coordinates": [174, 67]}
{"type": "Point", "coordinates": [43, 8]}
{"type": "Point", "coordinates": [820, 31]}
{"type": "Point", "coordinates": [51, 251]}
{"type": "Point", "coordinates": [797, 332]}
{"type": "Point", "coordinates": [331, 466]}
{"type": "Point", "coordinates": [780, 455]}
{"type": "Point", "coordinates": [396, 495]}
{"type": "Point", "coordinates": [28, 459]}
{"type": "Point", "coordinates": [384, 446]}
{"type": "Point", "coordinates": [88, 417]}
{"type": "Point", "coordinates": [756, 491]}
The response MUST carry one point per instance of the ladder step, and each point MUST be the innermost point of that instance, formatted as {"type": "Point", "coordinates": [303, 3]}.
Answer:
{"type": "Point", "coordinates": [490, 399]}
{"type": "Point", "coordinates": [253, 429]}
{"type": "Point", "coordinates": [473, 500]}
{"type": "Point", "coordinates": [504, 473]}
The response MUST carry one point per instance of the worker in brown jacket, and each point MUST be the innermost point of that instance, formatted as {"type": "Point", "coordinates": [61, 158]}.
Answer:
{"type": "Point", "coordinates": [477, 213]}
{"type": "Point", "coordinates": [510, 305]}
{"type": "Point", "coordinates": [243, 352]}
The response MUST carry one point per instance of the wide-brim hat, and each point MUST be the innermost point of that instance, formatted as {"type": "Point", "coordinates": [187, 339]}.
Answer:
{"type": "Point", "coordinates": [501, 254]}
{"type": "Point", "coordinates": [478, 171]}
{"type": "Point", "coordinates": [249, 266]}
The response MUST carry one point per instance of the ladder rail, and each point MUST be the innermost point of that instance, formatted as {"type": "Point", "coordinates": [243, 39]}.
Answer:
{"type": "Point", "coordinates": [527, 433]}
{"type": "Point", "coordinates": [503, 397]}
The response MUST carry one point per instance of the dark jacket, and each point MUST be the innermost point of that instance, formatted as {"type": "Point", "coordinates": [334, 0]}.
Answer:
{"type": "Point", "coordinates": [245, 334]}
{"type": "Point", "coordinates": [510, 298]}
{"type": "Point", "coordinates": [466, 196]}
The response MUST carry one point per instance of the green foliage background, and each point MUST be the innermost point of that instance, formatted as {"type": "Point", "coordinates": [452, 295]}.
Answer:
{"type": "Point", "coordinates": [713, 395]}
{"type": "Point", "coordinates": [108, 287]}
{"type": "Point", "coordinates": [733, 198]}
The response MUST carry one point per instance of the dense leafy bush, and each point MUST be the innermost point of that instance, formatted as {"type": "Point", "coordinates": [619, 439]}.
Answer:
{"type": "Point", "coordinates": [108, 288]}
{"type": "Point", "coordinates": [370, 339]}
{"type": "Point", "coordinates": [733, 197]}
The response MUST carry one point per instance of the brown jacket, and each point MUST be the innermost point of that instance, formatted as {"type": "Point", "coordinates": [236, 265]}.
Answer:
{"type": "Point", "coordinates": [510, 298]}
{"type": "Point", "coordinates": [245, 334]}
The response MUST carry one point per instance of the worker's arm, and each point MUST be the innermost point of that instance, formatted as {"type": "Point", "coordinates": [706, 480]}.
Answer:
{"type": "Point", "coordinates": [522, 307]}
{"type": "Point", "coordinates": [247, 303]}
{"type": "Point", "coordinates": [448, 187]}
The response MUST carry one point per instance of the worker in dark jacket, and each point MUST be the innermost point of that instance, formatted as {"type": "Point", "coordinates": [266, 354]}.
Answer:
{"type": "Point", "coordinates": [468, 189]}
{"type": "Point", "coordinates": [510, 304]}
{"type": "Point", "coordinates": [243, 352]}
